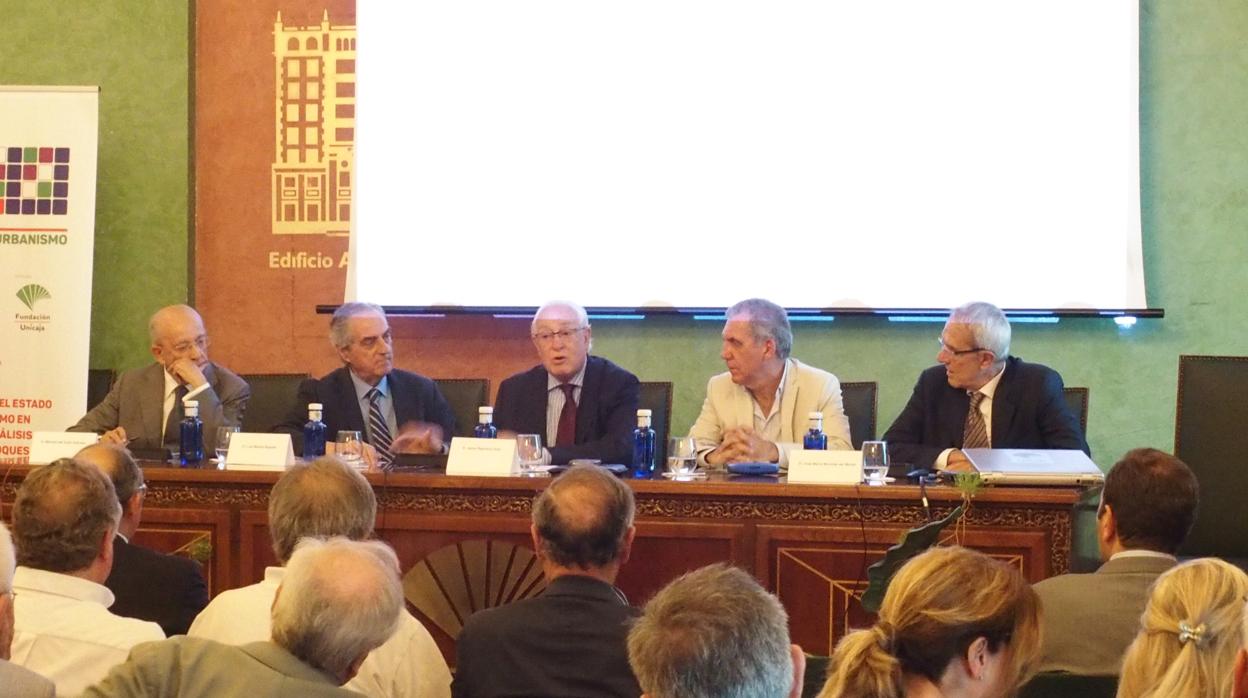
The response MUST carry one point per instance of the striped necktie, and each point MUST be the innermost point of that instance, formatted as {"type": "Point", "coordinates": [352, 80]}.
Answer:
{"type": "Point", "coordinates": [975, 433]}
{"type": "Point", "coordinates": [379, 433]}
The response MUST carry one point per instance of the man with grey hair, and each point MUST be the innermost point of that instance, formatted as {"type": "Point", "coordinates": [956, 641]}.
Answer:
{"type": "Point", "coordinates": [16, 680]}
{"type": "Point", "coordinates": [338, 601]}
{"type": "Point", "coordinates": [64, 519]}
{"type": "Point", "coordinates": [583, 406]}
{"type": "Point", "coordinates": [144, 406]}
{"type": "Point", "coordinates": [569, 642]}
{"type": "Point", "coordinates": [715, 633]}
{"type": "Point", "coordinates": [981, 397]}
{"type": "Point", "coordinates": [321, 499]}
{"type": "Point", "coordinates": [148, 585]}
{"type": "Point", "coordinates": [395, 410]}
{"type": "Point", "coordinates": [760, 408]}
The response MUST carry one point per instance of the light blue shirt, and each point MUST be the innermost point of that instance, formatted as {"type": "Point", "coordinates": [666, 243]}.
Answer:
{"type": "Point", "coordinates": [385, 403]}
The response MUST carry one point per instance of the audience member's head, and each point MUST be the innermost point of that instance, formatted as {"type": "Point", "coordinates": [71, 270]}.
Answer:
{"type": "Point", "coordinates": [127, 477]}
{"type": "Point", "coordinates": [953, 618]}
{"type": "Point", "coordinates": [361, 334]}
{"type": "Point", "coordinates": [64, 517]}
{"type": "Point", "coordinates": [974, 345]}
{"type": "Point", "coordinates": [8, 562]}
{"type": "Point", "coordinates": [339, 599]}
{"type": "Point", "coordinates": [317, 500]}
{"type": "Point", "coordinates": [1190, 633]}
{"type": "Point", "coordinates": [1148, 502]}
{"type": "Point", "coordinates": [583, 521]}
{"type": "Point", "coordinates": [563, 337]}
{"type": "Point", "coordinates": [177, 332]}
{"type": "Point", "coordinates": [715, 633]}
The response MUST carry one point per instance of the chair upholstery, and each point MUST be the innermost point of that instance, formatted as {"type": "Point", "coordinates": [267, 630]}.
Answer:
{"type": "Point", "coordinates": [656, 396]}
{"type": "Point", "coordinates": [816, 675]}
{"type": "Point", "coordinates": [1209, 436]}
{"type": "Point", "coordinates": [465, 395]}
{"type": "Point", "coordinates": [99, 382]}
{"type": "Point", "coordinates": [859, 400]}
{"type": "Point", "coordinates": [1062, 685]}
{"type": "Point", "coordinates": [272, 398]}
{"type": "Point", "coordinates": [1077, 401]}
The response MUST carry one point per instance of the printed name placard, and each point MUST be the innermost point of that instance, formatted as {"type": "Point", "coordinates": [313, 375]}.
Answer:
{"type": "Point", "coordinates": [259, 452]}
{"type": "Point", "coordinates": [825, 467]}
{"type": "Point", "coordinates": [47, 446]}
{"type": "Point", "coordinates": [492, 457]}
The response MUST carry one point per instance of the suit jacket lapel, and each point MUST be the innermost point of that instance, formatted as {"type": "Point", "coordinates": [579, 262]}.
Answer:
{"type": "Point", "coordinates": [152, 407]}
{"type": "Point", "coordinates": [954, 418]}
{"type": "Point", "coordinates": [348, 403]}
{"type": "Point", "coordinates": [1004, 405]}
{"type": "Point", "coordinates": [788, 402]}
{"type": "Point", "coordinates": [585, 409]}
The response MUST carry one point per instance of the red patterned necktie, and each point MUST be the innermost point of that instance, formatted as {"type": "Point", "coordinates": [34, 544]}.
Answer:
{"type": "Point", "coordinates": [566, 435]}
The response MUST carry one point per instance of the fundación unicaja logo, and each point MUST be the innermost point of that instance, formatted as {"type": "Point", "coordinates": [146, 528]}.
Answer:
{"type": "Point", "coordinates": [30, 294]}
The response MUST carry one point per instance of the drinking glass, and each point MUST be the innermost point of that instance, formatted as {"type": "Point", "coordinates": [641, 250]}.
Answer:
{"type": "Point", "coordinates": [682, 456]}
{"type": "Point", "coordinates": [529, 451]}
{"type": "Point", "coordinates": [350, 448]}
{"type": "Point", "coordinates": [874, 461]}
{"type": "Point", "coordinates": [224, 434]}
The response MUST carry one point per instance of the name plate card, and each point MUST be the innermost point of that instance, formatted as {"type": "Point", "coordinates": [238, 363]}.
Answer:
{"type": "Point", "coordinates": [47, 446]}
{"type": "Point", "coordinates": [490, 457]}
{"type": "Point", "coordinates": [825, 467]}
{"type": "Point", "coordinates": [260, 452]}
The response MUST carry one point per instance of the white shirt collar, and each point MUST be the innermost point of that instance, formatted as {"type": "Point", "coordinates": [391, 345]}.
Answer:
{"type": "Point", "coordinates": [1142, 553]}
{"type": "Point", "coordinates": [990, 388]}
{"type": "Point", "coordinates": [171, 383]}
{"type": "Point", "coordinates": [362, 388]}
{"type": "Point", "coordinates": [32, 580]}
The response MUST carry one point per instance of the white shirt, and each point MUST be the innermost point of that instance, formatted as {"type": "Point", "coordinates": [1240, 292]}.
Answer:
{"type": "Point", "coordinates": [985, 409]}
{"type": "Point", "coordinates": [768, 425]}
{"type": "Point", "coordinates": [64, 630]}
{"type": "Point", "coordinates": [171, 388]}
{"type": "Point", "coordinates": [408, 664]}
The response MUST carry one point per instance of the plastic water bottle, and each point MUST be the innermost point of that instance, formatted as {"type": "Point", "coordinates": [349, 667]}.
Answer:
{"type": "Point", "coordinates": [815, 439]}
{"type": "Point", "coordinates": [643, 446]}
{"type": "Point", "coordinates": [314, 432]}
{"type": "Point", "coordinates": [485, 428]}
{"type": "Point", "coordinates": [191, 435]}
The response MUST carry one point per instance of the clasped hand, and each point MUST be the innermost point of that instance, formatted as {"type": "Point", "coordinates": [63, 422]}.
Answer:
{"type": "Point", "coordinates": [742, 445]}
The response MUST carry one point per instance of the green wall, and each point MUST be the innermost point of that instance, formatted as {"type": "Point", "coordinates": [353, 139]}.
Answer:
{"type": "Point", "coordinates": [138, 52]}
{"type": "Point", "coordinates": [1194, 167]}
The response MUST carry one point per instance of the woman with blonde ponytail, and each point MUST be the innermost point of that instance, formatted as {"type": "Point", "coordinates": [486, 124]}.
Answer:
{"type": "Point", "coordinates": [954, 623]}
{"type": "Point", "coordinates": [1189, 633]}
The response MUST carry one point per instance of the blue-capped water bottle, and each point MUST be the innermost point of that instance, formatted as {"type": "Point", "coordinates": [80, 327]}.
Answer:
{"type": "Point", "coordinates": [485, 428]}
{"type": "Point", "coordinates": [191, 435]}
{"type": "Point", "coordinates": [314, 432]}
{"type": "Point", "coordinates": [815, 439]}
{"type": "Point", "coordinates": [643, 446]}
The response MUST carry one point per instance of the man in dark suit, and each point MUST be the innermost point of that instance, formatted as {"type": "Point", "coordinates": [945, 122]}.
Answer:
{"type": "Point", "coordinates": [582, 406]}
{"type": "Point", "coordinates": [144, 406]}
{"type": "Point", "coordinates": [396, 411]}
{"type": "Point", "coordinates": [1016, 404]}
{"type": "Point", "coordinates": [166, 589]}
{"type": "Point", "coordinates": [570, 641]}
{"type": "Point", "coordinates": [1147, 507]}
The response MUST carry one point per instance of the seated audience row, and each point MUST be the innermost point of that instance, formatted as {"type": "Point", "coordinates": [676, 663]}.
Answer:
{"type": "Point", "coordinates": [584, 406]}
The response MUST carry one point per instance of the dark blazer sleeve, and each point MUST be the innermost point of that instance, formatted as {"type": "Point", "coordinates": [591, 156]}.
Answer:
{"type": "Point", "coordinates": [612, 407]}
{"type": "Point", "coordinates": [911, 438]}
{"type": "Point", "coordinates": [521, 403]}
{"type": "Point", "coordinates": [418, 398]}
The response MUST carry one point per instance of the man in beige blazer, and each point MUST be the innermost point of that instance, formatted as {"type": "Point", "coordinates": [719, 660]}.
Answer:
{"type": "Point", "coordinates": [759, 410]}
{"type": "Point", "coordinates": [1147, 508]}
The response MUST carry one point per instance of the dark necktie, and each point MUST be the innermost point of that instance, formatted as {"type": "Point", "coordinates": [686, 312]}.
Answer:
{"type": "Point", "coordinates": [173, 435]}
{"type": "Point", "coordinates": [566, 435]}
{"type": "Point", "coordinates": [379, 432]}
{"type": "Point", "coordinates": [975, 433]}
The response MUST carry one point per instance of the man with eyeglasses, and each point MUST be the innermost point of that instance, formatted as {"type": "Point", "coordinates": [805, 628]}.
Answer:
{"type": "Point", "coordinates": [144, 406]}
{"type": "Point", "coordinates": [583, 406]}
{"type": "Point", "coordinates": [396, 411]}
{"type": "Point", "coordinates": [981, 397]}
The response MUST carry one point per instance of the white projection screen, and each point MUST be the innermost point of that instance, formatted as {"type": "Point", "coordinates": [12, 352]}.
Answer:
{"type": "Point", "coordinates": [689, 153]}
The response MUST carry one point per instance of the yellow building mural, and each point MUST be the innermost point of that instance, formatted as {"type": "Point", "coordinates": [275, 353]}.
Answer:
{"type": "Point", "coordinates": [313, 153]}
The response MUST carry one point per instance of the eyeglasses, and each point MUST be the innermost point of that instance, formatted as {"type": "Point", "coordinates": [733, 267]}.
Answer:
{"type": "Point", "coordinates": [200, 341]}
{"type": "Point", "coordinates": [561, 335]}
{"type": "Point", "coordinates": [956, 352]}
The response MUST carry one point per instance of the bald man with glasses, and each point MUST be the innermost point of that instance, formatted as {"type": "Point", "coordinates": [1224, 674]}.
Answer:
{"type": "Point", "coordinates": [981, 397]}
{"type": "Point", "coordinates": [582, 406]}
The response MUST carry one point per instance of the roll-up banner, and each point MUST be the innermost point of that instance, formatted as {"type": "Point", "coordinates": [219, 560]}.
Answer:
{"type": "Point", "coordinates": [48, 147]}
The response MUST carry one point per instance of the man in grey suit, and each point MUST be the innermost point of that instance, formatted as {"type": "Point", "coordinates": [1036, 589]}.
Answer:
{"type": "Point", "coordinates": [1147, 508]}
{"type": "Point", "coordinates": [144, 406]}
{"type": "Point", "coordinates": [14, 680]}
{"type": "Point", "coordinates": [339, 599]}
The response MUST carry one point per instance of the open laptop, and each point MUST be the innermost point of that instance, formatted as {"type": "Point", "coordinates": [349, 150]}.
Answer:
{"type": "Point", "coordinates": [1028, 466]}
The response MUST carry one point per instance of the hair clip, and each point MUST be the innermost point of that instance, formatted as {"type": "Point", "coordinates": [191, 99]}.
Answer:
{"type": "Point", "coordinates": [1194, 633]}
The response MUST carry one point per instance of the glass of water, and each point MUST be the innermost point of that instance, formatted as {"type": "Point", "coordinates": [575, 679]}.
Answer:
{"type": "Point", "coordinates": [529, 451]}
{"type": "Point", "coordinates": [350, 448]}
{"type": "Point", "coordinates": [682, 457]}
{"type": "Point", "coordinates": [874, 461]}
{"type": "Point", "coordinates": [224, 434]}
